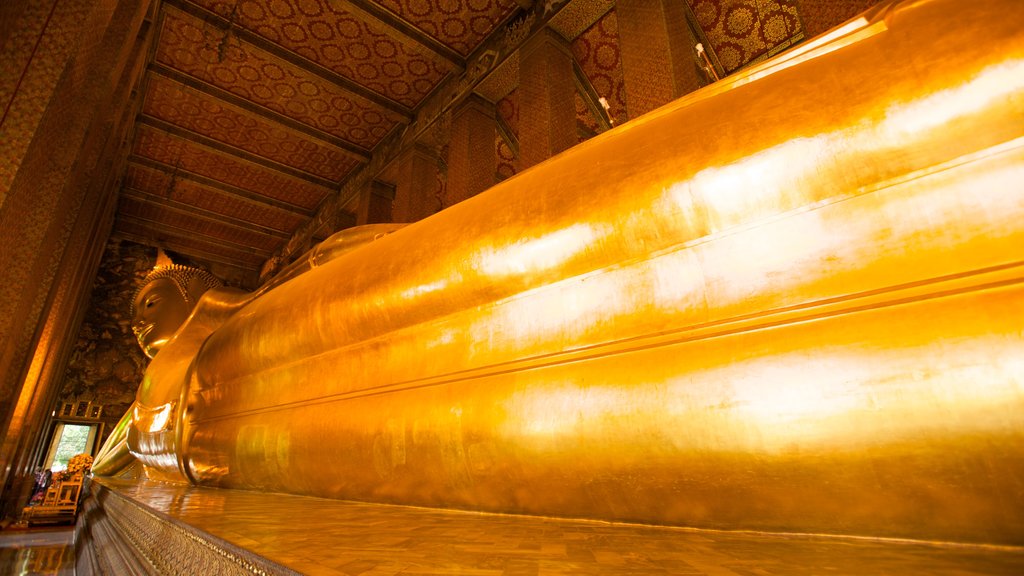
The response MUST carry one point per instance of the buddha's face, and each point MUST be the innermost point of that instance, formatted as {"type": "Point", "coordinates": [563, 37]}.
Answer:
{"type": "Point", "coordinates": [160, 310]}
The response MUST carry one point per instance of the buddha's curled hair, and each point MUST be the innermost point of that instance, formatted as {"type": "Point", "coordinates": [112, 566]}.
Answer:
{"type": "Point", "coordinates": [182, 276]}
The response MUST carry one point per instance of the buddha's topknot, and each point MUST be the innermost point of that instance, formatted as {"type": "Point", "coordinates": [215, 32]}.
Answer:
{"type": "Point", "coordinates": [182, 276]}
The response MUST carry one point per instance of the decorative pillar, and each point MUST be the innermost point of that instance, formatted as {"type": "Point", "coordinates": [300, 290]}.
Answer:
{"type": "Point", "coordinates": [657, 53]}
{"type": "Point", "coordinates": [416, 188]}
{"type": "Point", "coordinates": [472, 161]}
{"type": "Point", "coordinates": [375, 203]}
{"type": "Point", "coordinates": [547, 89]}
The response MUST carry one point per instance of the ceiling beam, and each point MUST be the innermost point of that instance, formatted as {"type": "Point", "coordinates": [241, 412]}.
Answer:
{"type": "Point", "coordinates": [265, 113]}
{"type": "Point", "coordinates": [396, 22]}
{"type": "Point", "coordinates": [200, 213]}
{"type": "Point", "coordinates": [161, 227]}
{"type": "Point", "coordinates": [244, 155]}
{"type": "Point", "coordinates": [197, 253]}
{"type": "Point", "coordinates": [286, 55]}
{"type": "Point", "coordinates": [234, 191]}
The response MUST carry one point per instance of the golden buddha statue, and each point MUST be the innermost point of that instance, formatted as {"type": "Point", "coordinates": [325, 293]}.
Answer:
{"type": "Point", "coordinates": [789, 301]}
{"type": "Point", "coordinates": [159, 308]}
{"type": "Point", "coordinates": [165, 302]}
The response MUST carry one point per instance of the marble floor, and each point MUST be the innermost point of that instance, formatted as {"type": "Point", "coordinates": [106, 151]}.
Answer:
{"type": "Point", "coordinates": [316, 536]}
{"type": "Point", "coordinates": [37, 552]}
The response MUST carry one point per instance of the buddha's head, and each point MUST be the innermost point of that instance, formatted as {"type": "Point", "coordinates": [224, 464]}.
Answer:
{"type": "Point", "coordinates": [165, 301]}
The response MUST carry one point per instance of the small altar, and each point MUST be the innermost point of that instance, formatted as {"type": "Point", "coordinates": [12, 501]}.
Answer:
{"type": "Point", "coordinates": [140, 527]}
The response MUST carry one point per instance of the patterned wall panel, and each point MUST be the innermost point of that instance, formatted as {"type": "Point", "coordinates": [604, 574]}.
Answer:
{"type": "Point", "coordinates": [129, 206]}
{"type": "Point", "coordinates": [106, 363]}
{"type": "Point", "coordinates": [197, 195]}
{"type": "Point", "coordinates": [187, 108]}
{"type": "Point", "coordinates": [597, 52]}
{"type": "Point", "coordinates": [177, 152]}
{"type": "Point", "coordinates": [215, 56]}
{"type": "Point", "coordinates": [194, 194]}
{"type": "Point", "coordinates": [460, 24]}
{"type": "Point", "coordinates": [745, 31]}
{"type": "Point", "coordinates": [339, 40]}
{"type": "Point", "coordinates": [34, 56]}
{"type": "Point", "coordinates": [508, 110]}
{"type": "Point", "coordinates": [587, 126]}
{"type": "Point", "coordinates": [506, 159]}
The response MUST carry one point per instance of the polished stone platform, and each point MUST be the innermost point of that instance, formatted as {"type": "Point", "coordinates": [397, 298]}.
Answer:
{"type": "Point", "coordinates": [37, 551]}
{"type": "Point", "coordinates": [228, 531]}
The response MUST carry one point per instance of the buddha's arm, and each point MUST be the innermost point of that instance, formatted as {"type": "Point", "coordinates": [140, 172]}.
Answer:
{"type": "Point", "coordinates": [331, 248]}
{"type": "Point", "coordinates": [114, 456]}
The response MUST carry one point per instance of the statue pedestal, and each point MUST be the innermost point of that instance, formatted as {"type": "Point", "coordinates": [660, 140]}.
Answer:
{"type": "Point", "coordinates": [137, 527]}
{"type": "Point", "coordinates": [141, 527]}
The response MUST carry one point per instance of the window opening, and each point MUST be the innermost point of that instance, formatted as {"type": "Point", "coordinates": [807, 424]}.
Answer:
{"type": "Point", "coordinates": [69, 440]}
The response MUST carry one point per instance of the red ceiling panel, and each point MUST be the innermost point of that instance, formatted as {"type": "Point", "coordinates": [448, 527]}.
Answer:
{"type": "Point", "coordinates": [154, 212]}
{"type": "Point", "coordinates": [182, 106]}
{"type": "Point", "coordinates": [191, 157]}
{"type": "Point", "coordinates": [339, 39]}
{"type": "Point", "coordinates": [460, 24]}
{"type": "Point", "coordinates": [745, 31]}
{"type": "Point", "coordinates": [138, 231]}
{"type": "Point", "coordinates": [209, 199]}
{"type": "Point", "coordinates": [217, 57]}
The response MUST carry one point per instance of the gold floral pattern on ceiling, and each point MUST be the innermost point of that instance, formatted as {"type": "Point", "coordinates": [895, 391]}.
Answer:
{"type": "Point", "coordinates": [185, 191]}
{"type": "Point", "coordinates": [214, 56]}
{"type": "Point", "coordinates": [459, 24]}
{"type": "Point", "coordinates": [182, 106]}
{"type": "Point", "coordinates": [328, 34]}
{"type": "Point", "coordinates": [185, 155]}
{"type": "Point", "coordinates": [745, 31]}
{"type": "Point", "coordinates": [135, 207]}
{"type": "Point", "coordinates": [185, 243]}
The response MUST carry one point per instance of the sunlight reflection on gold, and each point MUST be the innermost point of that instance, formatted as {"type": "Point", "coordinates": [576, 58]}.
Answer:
{"type": "Point", "coordinates": [995, 83]}
{"type": "Point", "coordinates": [536, 255]}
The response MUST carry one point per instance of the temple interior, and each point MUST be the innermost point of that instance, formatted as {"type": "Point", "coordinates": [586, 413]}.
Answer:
{"type": "Point", "coordinates": [509, 287]}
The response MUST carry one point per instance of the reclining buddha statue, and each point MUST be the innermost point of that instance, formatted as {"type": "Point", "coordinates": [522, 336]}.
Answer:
{"type": "Point", "coordinates": [789, 301]}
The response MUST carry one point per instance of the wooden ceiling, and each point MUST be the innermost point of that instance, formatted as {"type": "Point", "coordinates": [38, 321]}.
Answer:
{"type": "Point", "coordinates": [253, 112]}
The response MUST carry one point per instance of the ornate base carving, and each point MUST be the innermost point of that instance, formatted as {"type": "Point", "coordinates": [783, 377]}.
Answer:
{"type": "Point", "coordinates": [120, 536]}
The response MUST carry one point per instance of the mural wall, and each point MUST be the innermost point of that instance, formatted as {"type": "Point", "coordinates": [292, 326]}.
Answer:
{"type": "Point", "coordinates": [106, 364]}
